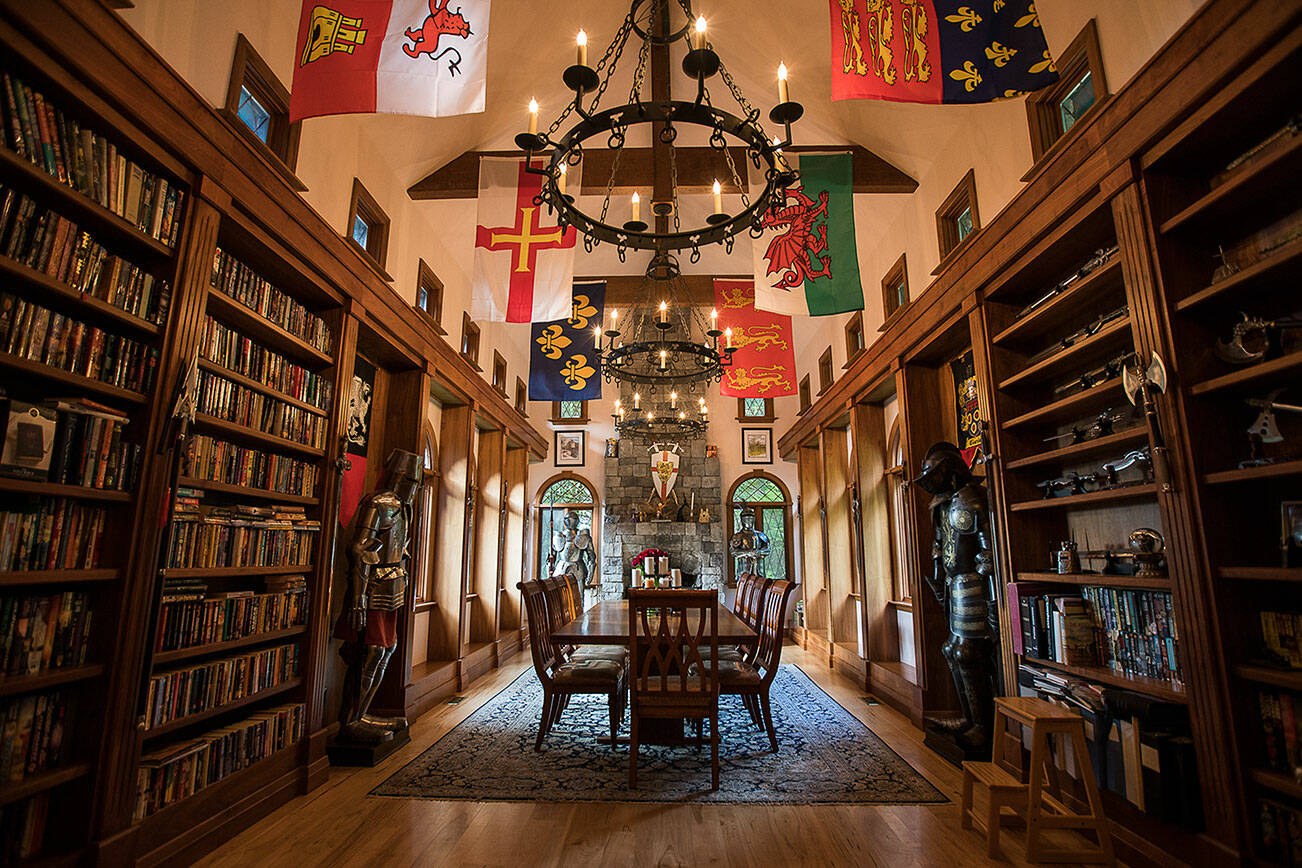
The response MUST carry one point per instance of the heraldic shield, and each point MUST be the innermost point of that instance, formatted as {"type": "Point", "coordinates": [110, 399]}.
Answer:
{"type": "Point", "coordinates": [664, 471]}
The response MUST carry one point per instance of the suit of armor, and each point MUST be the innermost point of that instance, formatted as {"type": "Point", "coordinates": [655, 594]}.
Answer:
{"type": "Point", "coordinates": [377, 591]}
{"type": "Point", "coordinates": [963, 580]}
{"type": "Point", "coordinates": [572, 550]}
{"type": "Point", "coordinates": [749, 546]}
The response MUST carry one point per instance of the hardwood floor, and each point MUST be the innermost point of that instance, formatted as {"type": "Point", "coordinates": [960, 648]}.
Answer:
{"type": "Point", "coordinates": [339, 825]}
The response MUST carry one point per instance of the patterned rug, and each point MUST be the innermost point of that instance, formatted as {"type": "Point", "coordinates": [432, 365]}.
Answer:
{"type": "Point", "coordinates": [827, 756]}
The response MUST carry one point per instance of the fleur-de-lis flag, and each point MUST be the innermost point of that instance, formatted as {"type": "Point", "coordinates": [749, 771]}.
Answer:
{"type": "Point", "coordinates": [562, 353]}
{"type": "Point", "coordinates": [938, 51]}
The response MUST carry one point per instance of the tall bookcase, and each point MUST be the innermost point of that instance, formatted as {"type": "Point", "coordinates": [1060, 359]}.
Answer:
{"type": "Point", "coordinates": [1223, 201]}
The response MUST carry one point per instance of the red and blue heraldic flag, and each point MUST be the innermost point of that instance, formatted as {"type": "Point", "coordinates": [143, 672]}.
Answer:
{"type": "Point", "coordinates": [764, 365]}
{"type": "Point", "coordinates": [938, 51]}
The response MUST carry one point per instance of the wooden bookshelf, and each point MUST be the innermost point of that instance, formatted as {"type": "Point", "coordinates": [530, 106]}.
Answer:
{"type": "Point", "coordinates": [54, 489]}
{"type": "Point", "coordinates": [248, 382]}
{"type": "Point", "coordinates": [1273, 178]}
{"type": "Point", "coordinates": [231, 572]}
{"type": "Point", "coordinates": [1258, 375]}
{"type": "Point", "coordinates": [1096, 347]}
{"type": "Point", "coordinates": [209, 713]}
{"type": "Point", "coordinates": [1054, 317]}
{"type": "Point", "coordinates": [68, 379]}
{"type": "Point", "coordinates": [247, 491]}
{"type": "Point", "coordinates": [1090, 498]}
{"type": "Point", "coordinates": [1073, 407]}
{"type": "Point", "coordinates": [1248, 474]}
{"type": "Point", "coordinates": [19, 578]}
{"type": "Point", "coordinates": [1160, 583]}
{"type": "Point", "coordinates": [262, 330]}
{"type": "Point", "coordinates": [16, 684]}
{"type": "Point", "coordinates": [1289, 679]}
{"type": "Point", "coordinates": [1283, 265]}
{"type": "Point", "coordinates": [249, 435]}
{"type": "Point", "coordinates": [1278, 782]}
{"type": "Point", "coordinates": [57, 291]}
{"type": "Point", "coordinates": [1078, 451]}
{"type": "Point", "coordinates": [163, 657]}
{"type": "Point", "coordinates": [1164, 690]}
{"type": "Point", "coordinates": [1261, 574]}
{"type": "Point", "coordinates": [47, 780]}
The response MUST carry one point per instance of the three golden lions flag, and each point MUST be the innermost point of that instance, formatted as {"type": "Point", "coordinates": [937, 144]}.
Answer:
{"type": "Point", "coordinates": [413, 57]}
{"type": "Point", "coordinates": [938, 51]}
{"type": "Point", "coordinates": [764, 365]}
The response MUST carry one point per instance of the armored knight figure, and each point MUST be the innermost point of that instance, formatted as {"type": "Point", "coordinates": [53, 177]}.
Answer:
{"type": "Point", "coordinates": [748, 546]}
{"type": "Point", "coordinates": [573, 551]}
{"type": "Point", "coordinates": [377, 590]}
{"type": "Point", "coordinates": [963, 580]}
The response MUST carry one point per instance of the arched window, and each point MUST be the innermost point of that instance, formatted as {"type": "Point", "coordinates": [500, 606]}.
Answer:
{"type": "Point", "coordinates": [766, 498]}
{"type": "Point", "coordinates": [562, 492]}
{"type": "Point", "coordinates": [899, 524]}
{"type": "Point", "coordinates": [426, 526]}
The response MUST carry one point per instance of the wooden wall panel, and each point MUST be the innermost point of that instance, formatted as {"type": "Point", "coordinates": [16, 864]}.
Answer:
{"type": "Point", "coordinates": [487, 536]}
{"type": "Point", "coordinates": [842, 602]}
{"type": "Point", "coordinates": [450, 553]}
{"type": "Point", "coordinates": [813, 578]}
{"type": "Point", "coordinates": [881, 633]}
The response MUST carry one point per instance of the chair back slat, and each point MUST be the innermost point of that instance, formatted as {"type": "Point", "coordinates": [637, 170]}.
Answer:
{"type": "Point", "coordinates": [739, 602]}
{"type": "Point", "coordinates": [540, 629]}
{"type": "Point", "coordinates": [772, 626]}
{"type": "Point", "coordinates": [554, 589]}
{"type": "Point", "coordinates": [574, 597]}
{"type": "Point", "coordinates": [752, 609]}
{"type": "Point", "coordinates": [665, 647]}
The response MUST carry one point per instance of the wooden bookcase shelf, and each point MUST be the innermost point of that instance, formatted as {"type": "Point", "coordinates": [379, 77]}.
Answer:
{"type": "Point", "coordinates": [1164, 690]}
{"type": "Point", "coordinates": [57, 291]}
{"type": "Point", "coordinates": [163, 657]}
{"type": "Point", "coordinates": [1280, 783]}
{"type": "Point", "coordinates": [262, 330]}
{"type": "Point", "coordinates": [252, 435]}
{"type": "Point", "coordinates": [1055, 317]}
{"type": "Point", "coordinates": [207, 714]}
{"type": "Point", "coordinates": [1289, 679]}
{"type": "Point", "coordinates": [1261, 574]}
{"type": "Point", "coordinates": [250, 383]}
{"type": "Point", "coordinates": [54, 489]}
{"type": "Point", "coordinates": [65, 378]}
{"type": "Point", "coordinates": [48, 780]}
{"type": "Point", "coordinates": [19, 578]}
{"type": "Point", "coordinates": [1096, 347]}
{"type": "Point", "coordinates": [78, 207]}
{"type": "Point", "coordinates": [1162, 583]}
{"type": "Point", "coordinates": [247, 491]}
{"type": "Point", "coordinates": [1078, 451]}
{"type": "Point", "coordinates": [1072, 408]}
{"type": "Point", "coordinates": [1259, 375]}
{"type": "Point", "coordinates": [1248, 474]}
{"type": "Point", "coordinates": [1090, 498]}
{"type": "Point", "coordinates": [1272, 179]}
{"type": "Point", "coordinates": [1281, 265]}
{"type": "Point", "coordinates": [229, 572]}
{"type": "Point", "coordinates": [15, 684]}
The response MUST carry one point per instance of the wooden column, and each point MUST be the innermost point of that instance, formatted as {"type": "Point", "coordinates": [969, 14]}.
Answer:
{"type": "Point", "coordinates": [450, 552]}
{"type": "Point", "coordinates": [881, 635]}
{"type": "Point", "coordinates": [487, 536]}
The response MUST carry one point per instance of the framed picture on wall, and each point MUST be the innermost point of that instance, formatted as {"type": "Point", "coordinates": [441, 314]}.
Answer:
{"type": "Point", "coordinates": [757, 446]}
{"type": "Point", "coordinates": [570, 448]}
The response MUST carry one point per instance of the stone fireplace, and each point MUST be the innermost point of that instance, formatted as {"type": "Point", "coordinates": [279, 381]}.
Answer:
{"type": "Point", "coordinates": [693, 546]}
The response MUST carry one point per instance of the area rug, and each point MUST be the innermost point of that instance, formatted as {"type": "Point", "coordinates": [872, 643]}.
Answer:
{"type": "Point", "coordinates": [827, 756]}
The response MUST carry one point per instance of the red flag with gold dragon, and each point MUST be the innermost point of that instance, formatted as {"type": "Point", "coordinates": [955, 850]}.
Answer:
{"type": "Point", "coordinates": [764, 365]}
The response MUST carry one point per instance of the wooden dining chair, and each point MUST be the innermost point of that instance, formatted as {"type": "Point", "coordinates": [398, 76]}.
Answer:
{"type": "Point", "coordinates": [751, 679]}
{"type": "Point", "coordinates": [562, 679]}
{"type": "Point", "coordinates": [670, 677]}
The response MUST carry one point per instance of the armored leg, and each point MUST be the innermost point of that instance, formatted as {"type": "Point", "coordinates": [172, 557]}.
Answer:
{"type": "Point", "coordinates": [971, 668]}
{"type": "Point", "coordinates": [369, 670]}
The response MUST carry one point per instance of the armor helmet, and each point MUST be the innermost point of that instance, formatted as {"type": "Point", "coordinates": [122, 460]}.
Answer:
{"type": "Point", "coordinates": [943, 469]}
{"type": "Point", "coordinates": [405, 475]}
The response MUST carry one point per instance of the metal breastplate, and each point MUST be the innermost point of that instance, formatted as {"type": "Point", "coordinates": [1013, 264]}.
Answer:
{"type": "Point", "coordinates": [386, 588]}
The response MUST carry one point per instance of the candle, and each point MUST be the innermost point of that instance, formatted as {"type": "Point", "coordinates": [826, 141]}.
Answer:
{"type": "Point", "coordinates": [783, 96]}
{"type": "Point", "coordinates": [676, 577]}
{"type": "Point", "coordinates": [727, 337]}
{"type": "Point", "coordinates": [637, 206]}
{"type": "Point", "coordinates": [596, 335]}
{"type": "Point", "coordinates": [637, 401]}
{"type": "Point", "coordinates": [779, 161]}
{"type": "Point", "coordinates": [682, 415]}
{"type": "Point", "coordinates": [700, 31]}
{"type": "Point", "coordinates": [705, 409]}
{"type": "Point", "coordinates": [650, 417]}
{"type": "Point", "coordinates": [533, 117]}
{"type": "Point", "coordinates": [664, 312]}
{"type": "Point", "coordinates": [714, 321]}
{"type": "Point", "coordinates": [614, 315]}
{"type": "Point", "coordinates": [664, 566]}
{"type": "Point", "coordinates": [673, 400]}
{"type": "Point", "coordinates": [560, 179]}
{"type": "Point", "coordinates": [637, 575]}
{"type": "Point", "coordinates": [582, 41]}
{"type": "Point", "coordinates": [718, 197]}
{"type": "Point", "coordinates": [662, 360]}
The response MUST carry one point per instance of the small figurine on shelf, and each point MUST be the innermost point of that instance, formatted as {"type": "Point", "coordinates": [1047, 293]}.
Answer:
{"type": "Point", "coordinates": [1067, 560]}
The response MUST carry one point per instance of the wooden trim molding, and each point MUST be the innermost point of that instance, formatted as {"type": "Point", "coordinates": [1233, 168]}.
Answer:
{"type": "Point", "coordinates": [767, 416]}
{"type": "Point", "coordinates": [962, 198]}
{"type": "Point", "coordinates": [429, 286]}
{"type": "Point", "coordinates": [280, 150]}
{"type": "Point", "coordinates": [1042, 107]}
{"type": "Point", "coordinates": [558, 419]}
{"type": "Point", "coordinates": [362, 204]}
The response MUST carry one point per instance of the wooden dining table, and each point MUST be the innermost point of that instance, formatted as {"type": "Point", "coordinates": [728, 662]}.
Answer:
{"type": "Point", "coordinates": [606, 623]}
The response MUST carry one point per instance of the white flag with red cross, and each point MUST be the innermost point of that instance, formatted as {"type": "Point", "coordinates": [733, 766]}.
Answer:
{"type": "Point", "coordinates": [524, 262]}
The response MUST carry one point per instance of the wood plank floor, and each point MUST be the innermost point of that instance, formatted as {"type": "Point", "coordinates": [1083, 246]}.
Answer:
{"type": "Point", "coordinates": [339, 825]}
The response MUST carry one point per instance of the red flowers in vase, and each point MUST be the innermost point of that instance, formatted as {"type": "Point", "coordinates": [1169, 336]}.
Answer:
{"type": "Point", "coordinates": [648, 553]}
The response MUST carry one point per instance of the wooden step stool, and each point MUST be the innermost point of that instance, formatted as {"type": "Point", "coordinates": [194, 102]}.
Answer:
{"type": "Point", "coordinates": [1045, 718]}
{"type": "Point", "coordinates": [1004, 790]}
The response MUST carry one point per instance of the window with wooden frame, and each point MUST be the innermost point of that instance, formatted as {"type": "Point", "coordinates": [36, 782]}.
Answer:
{"type": "Point", "coordinates": [565, 491]}
{"type": "Point", "coordinates": [957, 219]}
{"type": "Point", "coordinates": [806, 401]}
{"type": "Point", "coordinates": [368, 225]}
{"type": "Point", "coordinates": [1054, 110]}
{"type": "Point", "coordinates": [521, 397]}
{"type": "Point", "coordinates": [429, 295]}
{"type": "Point", "coordinates": [895, 291]}
{"type": "Point", "coordinates": [763, 496]}
{"type": "Point", "coordinates": [825, 375]}
{"type": "Point", "coordinates": [470, 340]}
{"type": "Point", "coordinates": [499, 373]}
{"type": "Point", "coordinates": [570, 412]}
{"type": "Point", "coordinates": [854, 339]}
{"type": "Point", "coordinates": [755, 410]}
{"type": "Point", "coordinates": [426, 524]}
{"type": "Point", "coordinates": [257, 105]}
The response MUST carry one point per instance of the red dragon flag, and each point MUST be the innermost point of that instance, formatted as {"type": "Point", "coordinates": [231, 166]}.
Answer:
{"type": "Point", "coordinates": [524, 262]}
{"type": "Point", "coordinates": [414, 57]}
{"type": "Point", "coordinates": [764, 365]}
{"type": "Point", "coordinates": [938, 51]}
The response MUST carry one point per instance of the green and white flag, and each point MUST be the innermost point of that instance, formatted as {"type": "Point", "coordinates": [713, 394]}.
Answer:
{"type": "Point", "coordinates": [806, 261]}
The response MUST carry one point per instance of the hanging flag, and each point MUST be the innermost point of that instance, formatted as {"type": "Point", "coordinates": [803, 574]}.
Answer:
{"type": "Point", "coordinates": [806, 261]}
{"type": "Point", "coordinates": [938, 51]}
{"type": "Point", "coordinates": [966, 408]}
{"type": "Point", "coordinates": [562, 355]}
{"type": "Point", "coordinates": [764, 365]}
{"type": "Point", "coordinates": [414, 57]}
{"type": "Point", "coordinates": [524, 262]}
{"type": "Point", "coordinates": [357, 436]}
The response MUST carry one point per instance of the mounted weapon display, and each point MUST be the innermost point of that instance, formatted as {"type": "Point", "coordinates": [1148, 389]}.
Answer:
{"type": "Point", "coordinates": [1097, 260]}
{"type": "Point", "coordinates": [1265, 425]}
{"type": "Point", "coordinates": [1082, 432]}
{"type": "Point", "coordinates": [1106, 478]}
{"type": "Point", "coordinates": [1088, 380]}
{"type": "Point", "coordinates": [1140, 384]}
{"type": "Point", "coordinates": [1080, 334]}
{"type": "Point", "coordinates": [1255, 339]}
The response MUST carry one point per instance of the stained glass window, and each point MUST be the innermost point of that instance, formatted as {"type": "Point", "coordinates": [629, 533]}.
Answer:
{"type": "Point", "coordinates": [571, 409]}
{"type": "Point", "coordinates": [566, 491]}
{"type": "Point", "coordinates": [758, 489]}
{"type": "Point", "coordinates": [254, 114]}
{"type": "Point", "coordinates": [1077, 101]}
{"type": "Point", "coordinates": [360, 231]}
{"type": "Point", "coordinates": [755, 407]}
{"type": "Point", "coordinates": [963, 222]}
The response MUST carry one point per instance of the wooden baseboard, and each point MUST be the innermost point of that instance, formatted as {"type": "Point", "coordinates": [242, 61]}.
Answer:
{"type": "Point", "coordinates": [851, 665]}
{"type": "Point", "coordinates": [435, 682]}
{"type": "Point", "coordinates": [474, 665]}
{"type": "Point", "coordinates": [897, 691]}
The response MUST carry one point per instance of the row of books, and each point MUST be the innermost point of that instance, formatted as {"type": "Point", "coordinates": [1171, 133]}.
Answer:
{"type": "Point", "coordinates": [1281, 633]}
{"type": "Point", "coordinates": [217, 537]}
{"type": "Point", "coordinates": [1281, 722]}
{"type": "Point", "coordinates": [186, 623]}
{"type": "Point", "coordinates": [229, 400]}
{"type": "Point", "coordinates": [22, 829]}
{"type": "Point", "coordinates": [222, 461]}
{"type": "Point", "coordinates": [240, 282]}
{"type": "Point", "coordinates": [86, 161]}
{"type": "Point", "coordinates": [44, 240]}
{"type": "Point", "coordinates": [51, 533]}
{"type": "Point", "coordinates": [225, 346]}
{"type": "Point", "coordinates": [34, 725]}
{"type": "Point", "coordinates": [1137, 632]}
{"type": "Point", "coordinates": [39, 334]}
{"type": "Point", "coordinates": [39, 632]}
{"type": "Point", "coordinates": [180, 770]}
{"type": "Point", "coordinates": [71, 441]}
{"type": "Point", "coordinates": [1280, 841]}
{"type": "Point", "coordinates": [183, 692]}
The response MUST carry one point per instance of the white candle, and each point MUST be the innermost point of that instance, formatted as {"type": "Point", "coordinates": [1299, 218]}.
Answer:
{"type": "Point", "coordinates": [718, 198]}
{"type": "Point", "coordinates": [614, 315]}
{"type": "Point", "coordinates": [582, 41]}
{"type": "Point", "coordinates": [779, 161]}
{"type": "Point", "coordinates": [637, 206]}
{"type": "Point", "coordinates": [700, 31]}
{"type": "Point", "coordinates": [782, 83]}
{"type": "Point", "coordinates": [673, 400]}
{"type": "Point", "coordinates": [664, 566]}
{"type": "Point", "coordinates": [637, 401]}
{"type": "Point", "coordinates": [662, 360]}
{"type": "Point", "coordinates": [714, 321]}
{"type": "Point", "coordinates": [533, 117]}
{"type": "Point", "coordinates": [560, 179]}
{"type": "Point", "coordinates": [676, 577]}
{"type": "Point", "coordinates": [727, 337]}
{"type": "Point", "coordinates": [637, 575]}
{"type": "Point", "coordinates": [596, 335]}
{"type": "Point", "coordinates": [664, 312]}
